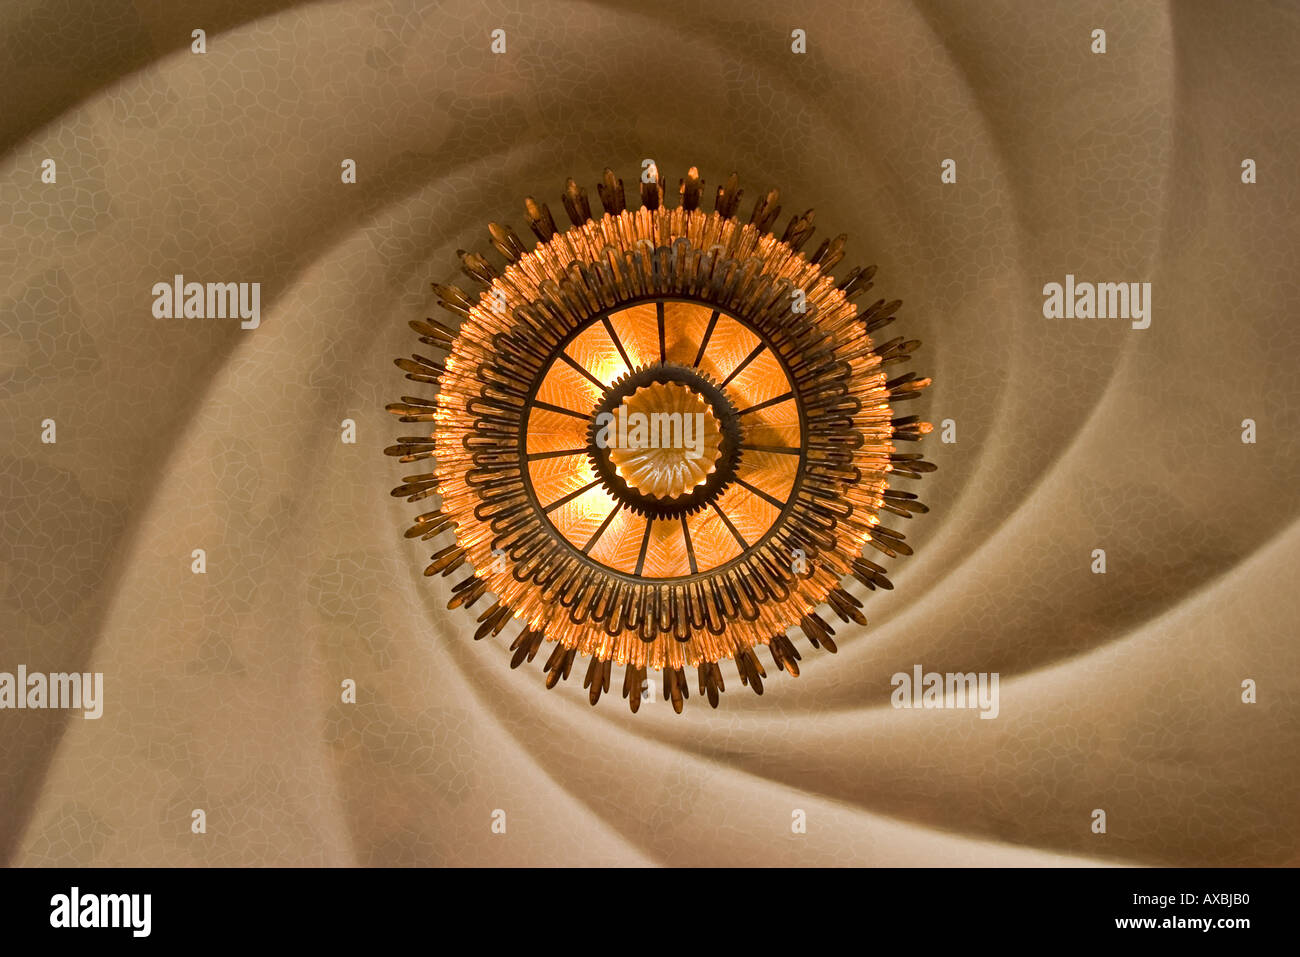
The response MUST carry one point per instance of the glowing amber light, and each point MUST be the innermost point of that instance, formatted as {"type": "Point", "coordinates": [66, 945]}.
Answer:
{"type": "Point", "coordinates": [658, 554]}
{"type": "Point", "coordinates": [674, 441]}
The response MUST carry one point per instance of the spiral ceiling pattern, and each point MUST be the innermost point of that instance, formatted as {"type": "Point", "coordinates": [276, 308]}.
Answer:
{"type": "Point", "coordinates": [1120, 691]}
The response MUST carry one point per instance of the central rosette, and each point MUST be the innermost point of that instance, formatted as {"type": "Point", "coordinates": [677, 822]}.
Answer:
{"type": "Point", "coordinates": [663, 440]}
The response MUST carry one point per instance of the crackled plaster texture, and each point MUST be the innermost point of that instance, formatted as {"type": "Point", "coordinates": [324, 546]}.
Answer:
{"type": "Point", "coordinates": [1119, 691]}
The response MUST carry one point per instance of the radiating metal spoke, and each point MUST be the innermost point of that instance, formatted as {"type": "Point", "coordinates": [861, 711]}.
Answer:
{"type": "Point", "coordinates": [708, 331]}
{"type": "Point", "coordinates": [645, 546]}
{"type": "Point", "coordinates": [618, 343]}
{"type": "Point", "coordinates": [775, 400]}
{"type": "Point", "coordinates": [585, 416]}
{"type": "Point", "coordinates": [690, 547]}
{"type": "Point", "coordinates": [582, 369]}
{"type": "Point", "coordinates": [663, 347]}
{"type": "Point", "coordinates": [731, 528]}
{"type": "Point", "coordinates": [744, 362]}
{"type": "Point", "coordinates": [591, 543]}
{"type": "Point", "coordinates": [776, 449]}
{"type": "Point", "coordinates": [571, 496]}
{"type": "Point", "coordinates": [535, 456]}
{"type": "Point", "coordinates": [769, 499]}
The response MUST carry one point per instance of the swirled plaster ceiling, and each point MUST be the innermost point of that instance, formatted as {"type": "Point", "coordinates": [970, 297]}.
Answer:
{"type": "Point", "coordinates": [1119, 691]}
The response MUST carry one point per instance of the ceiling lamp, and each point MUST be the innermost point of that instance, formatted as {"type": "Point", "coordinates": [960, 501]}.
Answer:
{"type": "Point", "coordinates": [661, 439]}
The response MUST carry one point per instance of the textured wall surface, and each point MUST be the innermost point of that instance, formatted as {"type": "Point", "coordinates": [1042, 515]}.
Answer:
{"type": "Point", "coordinates": [1119, 691]}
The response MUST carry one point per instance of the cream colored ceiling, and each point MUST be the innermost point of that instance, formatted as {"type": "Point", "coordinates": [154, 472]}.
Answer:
{"type": "Point", "coordinates": [1118, 691]}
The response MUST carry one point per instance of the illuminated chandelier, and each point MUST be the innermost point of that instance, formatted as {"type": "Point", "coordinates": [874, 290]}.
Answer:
{"type": "Point", "coordinates": [662, 438]}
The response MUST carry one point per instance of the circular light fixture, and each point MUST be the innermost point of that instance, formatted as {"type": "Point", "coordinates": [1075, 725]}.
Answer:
{"type": "Point", "coordinates": [662, 438]}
